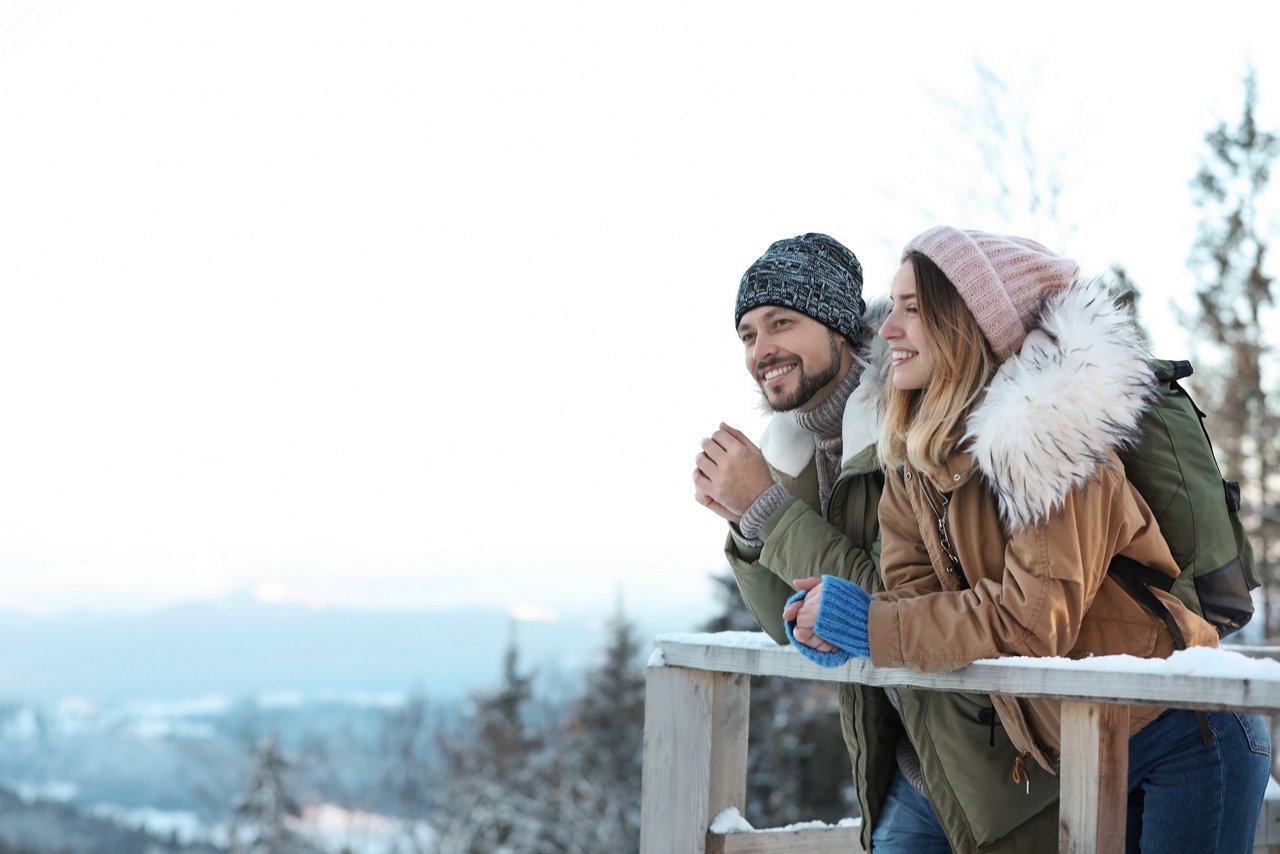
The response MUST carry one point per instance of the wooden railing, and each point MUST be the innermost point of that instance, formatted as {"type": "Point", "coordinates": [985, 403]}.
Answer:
{"type": "Point", "coordinates": [695, 732]}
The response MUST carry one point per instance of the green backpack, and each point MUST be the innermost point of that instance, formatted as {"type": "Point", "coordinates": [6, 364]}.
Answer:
{"type": "Point", "coordinates": [1198, 512]}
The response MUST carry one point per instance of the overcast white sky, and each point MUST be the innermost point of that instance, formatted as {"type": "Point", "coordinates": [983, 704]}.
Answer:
{"type": "Point", "coordinates": [410, 304]}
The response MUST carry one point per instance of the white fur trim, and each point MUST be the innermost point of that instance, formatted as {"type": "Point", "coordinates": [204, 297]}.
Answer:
{"type": "Point", "coordinates": [861, 425]}
{"type": "Point", "coordinates": [786, 445]}
{"type": "Point", "coordinates": [1076, 390]}
{"type": "Point", "coordinates": [865, 407]}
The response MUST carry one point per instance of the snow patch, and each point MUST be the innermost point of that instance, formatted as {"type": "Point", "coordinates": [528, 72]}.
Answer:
{"type": "Point", "coordinates": [1197, 661]}
{"type": "Point", "coordinates": [656, 658]}
{"type": "Point", "coordinates": [731, 821]}
{"type": "Point", "coordinates": [206, 705]}
{"type": "Point", "coordinates": [57, 791]}
{"type": "Point", "coordinates": [528, 612]}
{"type": "Point", "coordinates": [281, 700]}
{"type": "Point", "coordinates": [335, 829]}
{"type": "Point", "coordinates": [735, 640]}
{"type": "Point", "coordinates": [160, 730]}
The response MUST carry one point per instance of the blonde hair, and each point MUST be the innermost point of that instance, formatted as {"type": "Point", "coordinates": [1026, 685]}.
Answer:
{"type": "Point", "coordinates": [922, 427]}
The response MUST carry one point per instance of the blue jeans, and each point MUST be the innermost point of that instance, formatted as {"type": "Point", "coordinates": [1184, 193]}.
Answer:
{"type": "Point", "coordinates": [1185, 795]}
{"type": "Point", "coordinates": [907, 824]}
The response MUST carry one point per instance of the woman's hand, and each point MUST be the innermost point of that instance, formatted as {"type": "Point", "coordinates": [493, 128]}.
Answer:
{"type": "Point", "coordinates": [805, 615]}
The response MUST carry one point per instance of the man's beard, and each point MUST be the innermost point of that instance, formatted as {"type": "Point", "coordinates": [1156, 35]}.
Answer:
{"type": "Point", "coordinates": [810, 384]}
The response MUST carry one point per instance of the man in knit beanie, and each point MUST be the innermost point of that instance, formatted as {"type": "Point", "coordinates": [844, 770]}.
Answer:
{"type": "Point", "coordinates": [803, 502]}
{"type": "Point", "coordinates": [799, 316]}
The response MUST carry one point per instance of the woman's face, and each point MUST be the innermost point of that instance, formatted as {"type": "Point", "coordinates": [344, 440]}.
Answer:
{"type": "Point", "coordinates": [904, 330]}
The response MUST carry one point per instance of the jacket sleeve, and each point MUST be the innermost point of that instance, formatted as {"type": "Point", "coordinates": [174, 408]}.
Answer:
{"type": "Point", "coordinates": [763, 592]}
{"type": "Point", "coordinates": [1034, 606]}
{"type": "Point", "coordinates": [799, 543]}
{"type": "Point", "coordinates": [904, 563]}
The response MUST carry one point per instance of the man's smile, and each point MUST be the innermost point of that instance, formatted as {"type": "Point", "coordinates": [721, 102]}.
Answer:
{"type": "Point", "coordinates": [773, 374]}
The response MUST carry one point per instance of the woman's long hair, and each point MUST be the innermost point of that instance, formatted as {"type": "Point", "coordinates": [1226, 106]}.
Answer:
{"type": "Point", "coordinates": [923, 426]}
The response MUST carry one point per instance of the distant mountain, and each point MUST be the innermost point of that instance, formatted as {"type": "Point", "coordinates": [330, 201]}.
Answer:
{"type": "Point", "coordinates": [241, 646]}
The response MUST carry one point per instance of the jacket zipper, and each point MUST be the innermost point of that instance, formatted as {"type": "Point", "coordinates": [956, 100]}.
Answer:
{"type": "Point", "coordinates": [953, 562]}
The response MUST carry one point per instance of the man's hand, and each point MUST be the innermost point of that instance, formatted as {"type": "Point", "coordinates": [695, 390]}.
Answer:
{"type": "Point", "coordinates": [730, 474]}
{"type": "Point", "coordinates": [805, 615]}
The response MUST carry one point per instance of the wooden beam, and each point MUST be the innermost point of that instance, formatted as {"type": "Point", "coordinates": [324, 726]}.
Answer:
{"type": "Point", "coordinates": [1106, 679]}
{"type": "Point", "coordinates": [1095, 778]}
{"type": "Point", "coordinates": [824, 840]}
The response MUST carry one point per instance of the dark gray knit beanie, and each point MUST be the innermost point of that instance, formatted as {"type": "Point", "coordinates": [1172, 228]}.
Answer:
{"type": "Point", "coordinates": [813, 274]}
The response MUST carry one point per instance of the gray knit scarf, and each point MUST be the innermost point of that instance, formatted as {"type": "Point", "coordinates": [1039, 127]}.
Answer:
{"type": "Point", "coordinates": [826, 422]}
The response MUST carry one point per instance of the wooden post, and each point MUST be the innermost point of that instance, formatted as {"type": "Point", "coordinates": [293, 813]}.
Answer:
{"type": "Point", "coordinates": [1095, 777]}
{"type": "Point", "coordinates": [695, 755]}
{"type": "Point", "coordinates": [730, 720]}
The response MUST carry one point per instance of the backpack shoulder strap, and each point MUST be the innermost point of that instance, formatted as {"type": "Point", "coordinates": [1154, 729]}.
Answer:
{"type": "Point", "coordinates": [1135, 578]}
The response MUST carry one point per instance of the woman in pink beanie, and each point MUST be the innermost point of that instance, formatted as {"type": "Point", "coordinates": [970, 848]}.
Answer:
{"type": "Point", "coordinates": [1012, 386]}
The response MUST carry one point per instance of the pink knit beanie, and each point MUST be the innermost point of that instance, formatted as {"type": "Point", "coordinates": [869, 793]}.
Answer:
{"type": "Point", "coordinates": [1002, 279]}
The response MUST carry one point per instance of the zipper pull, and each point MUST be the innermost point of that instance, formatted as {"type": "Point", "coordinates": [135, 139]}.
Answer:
{"type": "Point", "coordinates": [1020, 772]}
{"type": "Point", "coordinates": [988, 716]}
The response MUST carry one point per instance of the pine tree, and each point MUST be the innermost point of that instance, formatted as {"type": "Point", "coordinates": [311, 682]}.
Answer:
{"type": "Point", "coordinates": [601, 772]}
{"type": "Point", "coordinates": [1233, 321]}
{"type": "Point", "coordinates": [610, 713]}
{"type": "Point", "coordinates": [493, 796]}
{"type": "Point", "coordinates": [733, 615]}
{"type": "Point", "coordinates": [500, 718]}
{"type": "Point", "coordinates": [261, 815]}
{"type": "Point", "coordinates": [409, 776]}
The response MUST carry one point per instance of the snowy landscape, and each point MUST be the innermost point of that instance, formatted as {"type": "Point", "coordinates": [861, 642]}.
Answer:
{"type": "Point", "coordinates": [182, 717]}
{"type": "Point", "coordinates": [176, 770]}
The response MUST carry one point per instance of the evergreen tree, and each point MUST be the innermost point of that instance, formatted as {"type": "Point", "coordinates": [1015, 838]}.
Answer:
{"type": "Point", "coordinates": [501, 717]}
{"type": "Point", "coordinates": [1232, 320]}
{"type": "Point", "coordinates": [733, 615]}
{"type": "Point", "coordinates": [563, 782]}
{"type": "Point", "coordinates": [408, 778]}
{"type": "Point", "coordinates": [605, 740]}
{"type": "Point", "coordinates": [609, 717]}
{"type": "Point", "coordinates": [493, 796]}
{"type": "Point", "coordinates": [261, 815]}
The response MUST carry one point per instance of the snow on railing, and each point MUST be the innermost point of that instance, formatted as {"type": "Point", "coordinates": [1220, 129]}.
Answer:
{"type": "Point", "coordinates": [695, 740]}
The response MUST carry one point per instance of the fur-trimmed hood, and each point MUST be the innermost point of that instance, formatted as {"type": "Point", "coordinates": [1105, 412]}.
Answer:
{"type": "Point", "coordinates": [788, 447]}
{"type": "Point", "coordinates": [1054, 410]}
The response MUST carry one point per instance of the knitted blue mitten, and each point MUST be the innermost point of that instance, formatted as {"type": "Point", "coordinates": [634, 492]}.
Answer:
{"type": "Point", "coordinates": [842, 621]}
{"type": "Point", "coordinates": [842, 616]}
{"type": "Point", "coordinates": [826, 659]}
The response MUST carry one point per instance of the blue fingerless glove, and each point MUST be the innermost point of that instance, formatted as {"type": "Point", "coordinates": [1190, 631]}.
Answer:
{"type": "Point", "coordinates": [842, 621]}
